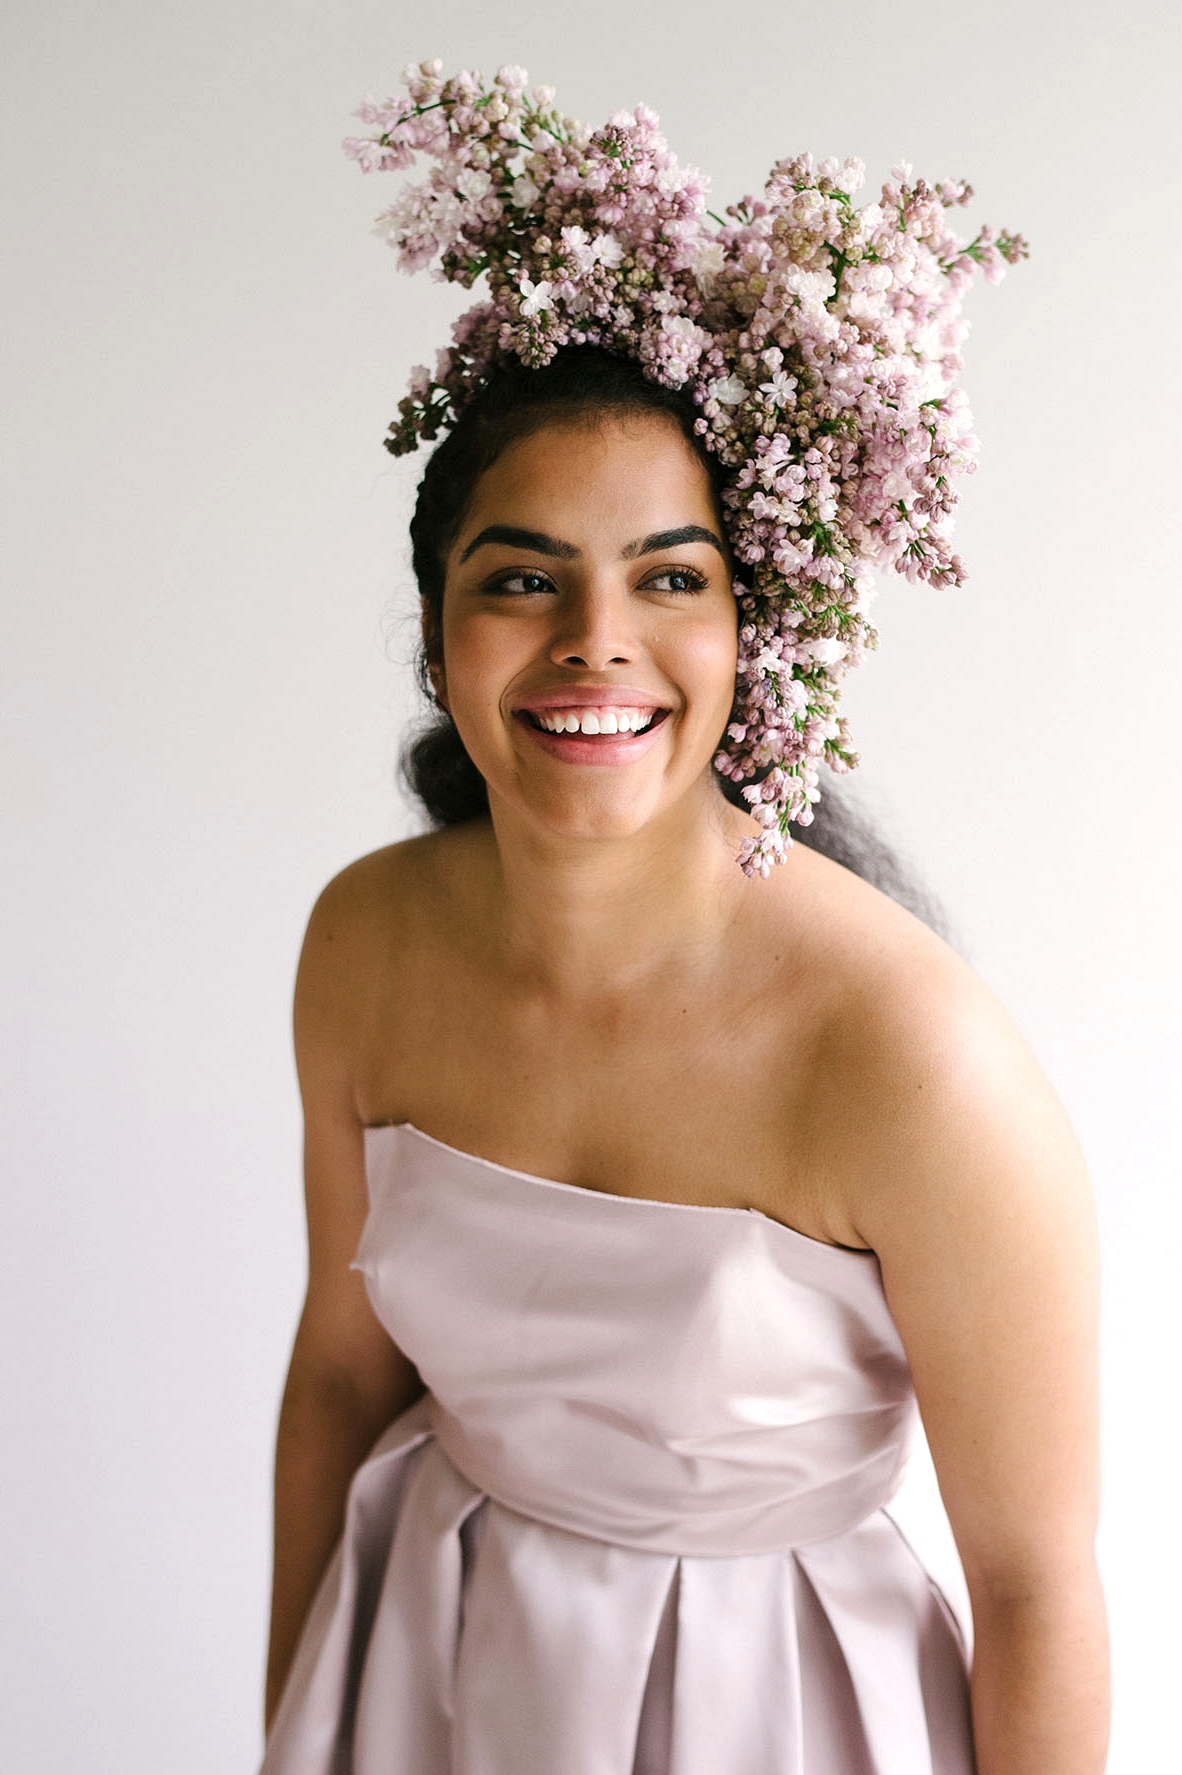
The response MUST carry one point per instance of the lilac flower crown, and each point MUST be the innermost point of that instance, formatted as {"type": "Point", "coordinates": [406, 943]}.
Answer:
{"type": "Point", "coordinates": [819, 340]}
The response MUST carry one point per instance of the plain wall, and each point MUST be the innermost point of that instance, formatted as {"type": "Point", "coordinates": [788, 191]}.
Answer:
{"type": "Point", "coordinates": [208, 619]}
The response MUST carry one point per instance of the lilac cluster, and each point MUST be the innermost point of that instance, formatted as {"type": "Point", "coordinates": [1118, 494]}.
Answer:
{"type": "Point", "coordinates": [820, 341]}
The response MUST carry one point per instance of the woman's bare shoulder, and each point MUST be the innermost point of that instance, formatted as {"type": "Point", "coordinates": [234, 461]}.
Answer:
{"type": "Point", "coordinates": [906, 1031]}
{"type": "Point", "coordinates": [383, 917]}
{"type": "Point", "coordinates": [374, 889]}
{"type": "Point", "coordinates": [926, 1083]}
{"type": "Point", "coordinates": [911, 1009]}
{"type": "Point", "coordinates": [864, 951]}
{"type": "Point", "coordinates": [373, 929]}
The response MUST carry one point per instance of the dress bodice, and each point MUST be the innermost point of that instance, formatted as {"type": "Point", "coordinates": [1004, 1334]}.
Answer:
{"type": "Point", "coordinates": [663, 1376]}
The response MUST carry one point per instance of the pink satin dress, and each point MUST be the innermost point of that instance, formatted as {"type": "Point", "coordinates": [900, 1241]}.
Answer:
{"type": "Point", "coordinates": [636, 1525]}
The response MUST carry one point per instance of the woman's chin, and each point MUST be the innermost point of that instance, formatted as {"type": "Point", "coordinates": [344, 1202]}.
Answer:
{"type": "Point", "coordinates": [583, 816]}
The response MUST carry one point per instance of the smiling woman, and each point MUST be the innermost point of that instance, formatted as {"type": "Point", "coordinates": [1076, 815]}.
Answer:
{"type": "Point", "coordinates": [648, 1203]}
{"type": "Point", "coordinates": [622, 595]}
{"type": "Point", "coordinates": [580, 390]}
{"type": "Point", "coordinates": [529, 435]}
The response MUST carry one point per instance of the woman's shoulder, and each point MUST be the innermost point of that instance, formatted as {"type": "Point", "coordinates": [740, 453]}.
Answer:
{"type": "Point", "coordinates": [370, 937]}
{"type": "Point", "coordinates": [857, 947]}
{"type": "Point", "coordinates": [396, 878]}
{"type": "Point", "coordinates": [382, 910]}
{"type": "Point", "coordinates": [895, 1006]}
{"type": "Point", "coordinates": [915, 1053]}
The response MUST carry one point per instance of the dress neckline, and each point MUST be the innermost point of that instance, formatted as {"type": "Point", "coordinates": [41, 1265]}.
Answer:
{"type": "Point", "coordinates": [575, 1189]}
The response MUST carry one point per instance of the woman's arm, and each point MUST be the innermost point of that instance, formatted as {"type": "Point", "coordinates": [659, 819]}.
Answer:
{"type": "Point", "coordinates": [326, 1428]}
{"type": "Point", "coordinates": [347, 1379]}
{"type": "Point", "coordinates": [976, 1200]}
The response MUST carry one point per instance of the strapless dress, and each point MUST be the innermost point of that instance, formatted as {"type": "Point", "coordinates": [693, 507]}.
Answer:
{"type": "Point", "coordinates": [637, 1523]}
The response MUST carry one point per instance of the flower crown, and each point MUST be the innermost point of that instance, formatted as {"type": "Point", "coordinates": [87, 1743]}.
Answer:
{"type": "Point", "coordinates": [819, 340]}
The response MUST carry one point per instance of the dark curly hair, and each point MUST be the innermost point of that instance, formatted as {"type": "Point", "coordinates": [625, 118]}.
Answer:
{"type": "Point", "coordinates": [580, 381]}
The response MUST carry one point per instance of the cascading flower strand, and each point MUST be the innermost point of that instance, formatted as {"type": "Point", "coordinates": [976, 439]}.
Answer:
{"type": "Point", "coordinates": [820, 341]}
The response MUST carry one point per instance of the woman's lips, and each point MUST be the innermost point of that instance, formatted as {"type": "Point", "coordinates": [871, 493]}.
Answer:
{"type": "Point", "coordinates": [595, 748]}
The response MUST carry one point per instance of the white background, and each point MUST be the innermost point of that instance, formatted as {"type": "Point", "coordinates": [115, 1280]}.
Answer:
{"type": "Point", "coordinates": [208, 615]}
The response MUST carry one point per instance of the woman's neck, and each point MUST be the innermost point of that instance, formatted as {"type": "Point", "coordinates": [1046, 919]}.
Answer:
{"type": "Point", "coordinates": [587, 919]}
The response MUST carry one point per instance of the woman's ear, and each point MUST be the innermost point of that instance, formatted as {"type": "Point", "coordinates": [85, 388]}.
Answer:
{"type": "Point", "coordinates": [435, 669]}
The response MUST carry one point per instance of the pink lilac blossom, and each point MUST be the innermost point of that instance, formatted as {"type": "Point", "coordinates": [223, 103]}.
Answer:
{"type": "Point", "coordinates": [820, 341]}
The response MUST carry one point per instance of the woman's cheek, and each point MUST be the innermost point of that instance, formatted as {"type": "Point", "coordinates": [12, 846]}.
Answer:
{"type": "Point", "coordinates": [711, 662]}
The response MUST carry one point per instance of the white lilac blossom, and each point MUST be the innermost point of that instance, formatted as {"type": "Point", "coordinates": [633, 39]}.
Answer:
{"type": "Point", "coordinates": [819, 340]}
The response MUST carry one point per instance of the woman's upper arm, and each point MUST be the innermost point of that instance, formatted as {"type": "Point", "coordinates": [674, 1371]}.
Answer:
{"type": "Point", "coordinates": [340, 1338]}
{"type": "Point", "coordinates": [983, 1221]}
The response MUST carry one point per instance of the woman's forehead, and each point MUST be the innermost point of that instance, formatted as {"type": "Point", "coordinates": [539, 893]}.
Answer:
{"type": "Point", "coordinates": [633, 473]}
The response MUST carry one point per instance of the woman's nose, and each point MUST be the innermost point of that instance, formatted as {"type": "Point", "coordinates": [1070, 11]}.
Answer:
{"type": "Point", "coordinates": [593, 627]}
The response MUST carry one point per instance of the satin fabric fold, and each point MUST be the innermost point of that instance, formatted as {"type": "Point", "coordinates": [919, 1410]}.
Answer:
{"type": "Point", "coordinates": [636, 1525]}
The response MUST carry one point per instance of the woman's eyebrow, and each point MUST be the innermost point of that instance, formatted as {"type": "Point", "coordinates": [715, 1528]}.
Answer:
{"type": "Point", "coordinates": [671, 539]}
{"type": "Point", "coordinates": [538, 543]}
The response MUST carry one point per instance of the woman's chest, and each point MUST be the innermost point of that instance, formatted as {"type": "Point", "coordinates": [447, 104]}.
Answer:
{"type": "Point", "coordinates": [700, 1095]}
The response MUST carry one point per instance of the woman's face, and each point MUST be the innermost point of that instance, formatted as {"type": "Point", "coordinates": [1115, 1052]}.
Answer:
{"type": "Point", "coordinates": [591, 572]}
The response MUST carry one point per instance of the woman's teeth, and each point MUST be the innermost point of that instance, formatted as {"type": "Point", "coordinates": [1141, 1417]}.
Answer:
{"type": "Point", "coordinates": [594, 720]}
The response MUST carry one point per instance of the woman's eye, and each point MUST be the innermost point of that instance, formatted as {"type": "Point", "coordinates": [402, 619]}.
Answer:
{"type": "Point", "coordinates": [678, 579]}
{"type": "Point", "coordinates": [520, 582]}
{"type": "Point", "coordinates": [525, 583]}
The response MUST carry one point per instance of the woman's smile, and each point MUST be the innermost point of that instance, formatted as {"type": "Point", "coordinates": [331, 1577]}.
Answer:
{"type": "Point", "coordinates": [594, 744]}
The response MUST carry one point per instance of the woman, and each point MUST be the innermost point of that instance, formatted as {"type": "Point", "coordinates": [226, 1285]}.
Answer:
{"type": "Point", "coordinates": [666, 1187]}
